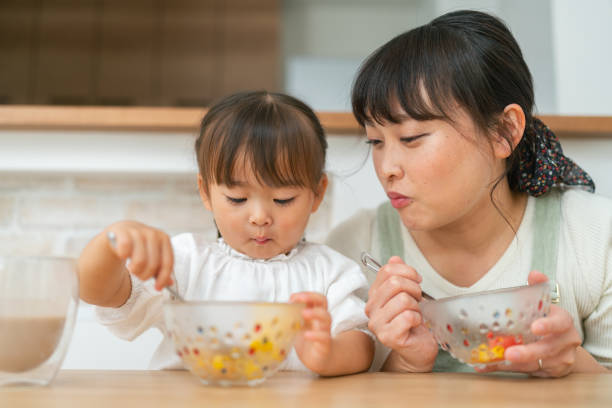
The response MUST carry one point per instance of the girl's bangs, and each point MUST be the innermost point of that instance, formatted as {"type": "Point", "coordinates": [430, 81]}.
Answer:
{"type": "Point", "coordinates": [274, 150]}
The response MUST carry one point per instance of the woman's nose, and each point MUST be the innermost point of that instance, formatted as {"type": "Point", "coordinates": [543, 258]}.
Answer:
{"type": "Point", "coordinates": [390, 164]}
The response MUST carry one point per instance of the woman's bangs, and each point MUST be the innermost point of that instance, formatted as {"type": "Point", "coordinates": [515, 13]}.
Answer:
{"type": "Point", "coordinates": [402, 79]}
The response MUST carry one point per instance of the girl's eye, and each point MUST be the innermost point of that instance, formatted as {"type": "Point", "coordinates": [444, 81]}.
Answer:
{"type": "Point", "coordinates": [285, 201]}
{"type": "Point", "coordinates": [373, 142]}
{"type": "Point", "coordinates": [235, 200]}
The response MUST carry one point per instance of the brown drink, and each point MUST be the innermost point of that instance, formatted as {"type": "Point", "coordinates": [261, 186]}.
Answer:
{"type": "Point", "coordinates": [28, 341]}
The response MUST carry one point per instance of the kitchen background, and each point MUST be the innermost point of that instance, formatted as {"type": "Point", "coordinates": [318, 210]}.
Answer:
{"type": "Point", "coordinates": [58, 187]}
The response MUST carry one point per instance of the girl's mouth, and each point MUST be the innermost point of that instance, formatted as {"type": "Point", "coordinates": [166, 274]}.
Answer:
{"type": "Point", "coordinates": [398, 200]}
{"type": "Point", "coordinates": [261, 240]}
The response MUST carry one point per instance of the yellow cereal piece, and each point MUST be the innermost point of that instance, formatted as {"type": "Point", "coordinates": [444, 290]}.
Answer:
{"type": "Point", "coordinates": [498, 352]}
{"type": "Point", "coordinates": [218, 362]}
{"type": "Point", "coordinates": [481, 354]}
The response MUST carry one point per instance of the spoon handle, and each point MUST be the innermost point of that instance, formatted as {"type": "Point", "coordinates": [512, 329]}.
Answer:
{"type": "Point", "coordinates": [112, 238]}
{"type": "Point", "coordinates": [375, 266]}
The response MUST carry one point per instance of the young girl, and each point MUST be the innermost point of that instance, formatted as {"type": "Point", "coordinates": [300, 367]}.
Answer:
{"type": "Point", "coordinates": [479, 196]}
{"type": "Point", "coordinates": [261, 157]}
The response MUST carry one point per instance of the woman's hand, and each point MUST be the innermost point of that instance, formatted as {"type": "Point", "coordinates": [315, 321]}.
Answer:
{"type": "Point", "coordinates": [148, 249]}
{"type": "Point", "coordinates": [396, 320]}
{"type": "Point", "coordinates": [313, 345]}
{"type": "Point", "coordinates": [554, 354]}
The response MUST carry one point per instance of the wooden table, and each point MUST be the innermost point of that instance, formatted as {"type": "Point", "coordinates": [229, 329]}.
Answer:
{"type": "Point", "coordinates": [179, 389]}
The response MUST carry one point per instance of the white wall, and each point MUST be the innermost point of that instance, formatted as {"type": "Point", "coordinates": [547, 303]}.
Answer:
{"type": "Point", "coordinates": [566, 45]}
{"type": "Point", "coordinates": [582, 33]}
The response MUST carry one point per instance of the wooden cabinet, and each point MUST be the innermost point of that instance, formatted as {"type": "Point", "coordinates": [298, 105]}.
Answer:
{"type": "Point", "coordinates": [137, 52]}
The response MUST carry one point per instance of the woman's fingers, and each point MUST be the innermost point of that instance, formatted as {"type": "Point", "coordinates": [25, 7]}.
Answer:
{"type": "Point", "coordinates": [557, 321]}
{"type": "Point", "coordinates": [536, 277]}
{"type": "Point", "coordinates": [396, 333]}
{"type": "Point", "coordinates": [395, 267]}
{"type": "Point", "coordinates": [393, 286]}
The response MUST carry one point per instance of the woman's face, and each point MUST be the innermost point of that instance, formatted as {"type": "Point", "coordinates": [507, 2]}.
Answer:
{"type": "Point", "coordinates": [435, 173]}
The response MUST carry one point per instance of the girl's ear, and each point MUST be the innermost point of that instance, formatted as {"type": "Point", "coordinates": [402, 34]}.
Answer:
{"type": "Point", "coordinates": [513, 124]}
{"type": "Point", "coordinates": [320, 192]}
{"type": "Point", "coordinates": [203, 195]}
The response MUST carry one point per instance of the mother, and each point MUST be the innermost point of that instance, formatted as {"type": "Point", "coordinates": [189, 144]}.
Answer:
{"type": "Point", "coordinates": [469, 172]}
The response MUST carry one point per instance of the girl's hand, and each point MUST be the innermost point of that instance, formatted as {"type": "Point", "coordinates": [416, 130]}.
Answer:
{"type": "Point", "coordinates": [313, 345]}
{"type": "Point", "coordinates": [396, 320]}
{"type": "Point", "coordinates": [554, 355]}
{"type": "Point", "coordinates": [148, 249]}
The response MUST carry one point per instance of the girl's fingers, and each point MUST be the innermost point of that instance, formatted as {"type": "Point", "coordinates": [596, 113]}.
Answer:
{"type": "Point", "coordinates": [122, 245]}
{"type": "Point", "coordinates": [138, 257]}
{"type": "Point", "coordinates": [153, 262]}
{"type": "Point", "coordinates": [311, 299]}
{"type": "Point", "coordinates": [317, 319]}
{"type": "Point", "coordinates": [317, 335]}
{"type": "Point", "coordinates": [167, 261]}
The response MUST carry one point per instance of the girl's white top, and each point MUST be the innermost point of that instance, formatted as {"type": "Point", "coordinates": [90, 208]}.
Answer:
{"type": "Point", "coordinates": [214, 271]}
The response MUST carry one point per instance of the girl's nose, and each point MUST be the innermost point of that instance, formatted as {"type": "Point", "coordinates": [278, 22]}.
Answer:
{"type": "Point", "coordinates": [259, 217]}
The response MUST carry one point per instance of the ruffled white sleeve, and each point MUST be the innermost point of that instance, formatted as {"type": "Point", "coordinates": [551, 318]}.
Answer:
{"type": "Point", "coordinates": [143, 309]}
{"type": "Point", "coordinates": [346, 308]}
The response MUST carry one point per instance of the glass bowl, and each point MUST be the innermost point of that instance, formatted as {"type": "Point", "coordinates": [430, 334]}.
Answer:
{"type": "Point", "coordinates": [232, 343]}
{"type": "Point", "coordinates": [477, 328]}
{"type": "Point", "coordinates": [39, 297]}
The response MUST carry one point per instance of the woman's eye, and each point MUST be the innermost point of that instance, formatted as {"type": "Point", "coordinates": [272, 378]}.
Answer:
{"type": "Point", "coordinates": [409, 139]}
{"type": "Point", "coordinates": [373, 142]}
{"type": "Point", "coordinates": [235, 200]}
{"type": "Point", "coordinates": [285, 201]}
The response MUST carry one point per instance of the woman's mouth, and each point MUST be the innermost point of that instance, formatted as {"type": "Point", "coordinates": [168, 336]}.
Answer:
{"type": "Point", "coordinates": [398, 200]}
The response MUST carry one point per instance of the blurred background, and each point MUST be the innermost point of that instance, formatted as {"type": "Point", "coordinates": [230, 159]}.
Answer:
{"type": "Point", "coordinates": [190, 52]}
{"type": "Point", "coordinates": [61, 183]}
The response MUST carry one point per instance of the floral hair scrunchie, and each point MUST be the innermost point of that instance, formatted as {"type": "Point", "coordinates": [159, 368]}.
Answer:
{"type": "Point", "coordinates": [544, 166]}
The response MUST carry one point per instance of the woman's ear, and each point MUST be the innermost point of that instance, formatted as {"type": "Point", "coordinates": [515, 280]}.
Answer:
{"type": "Point", "coordinates": [512, 123]}
{"type": "Point", "coordinates": [321, 188]}
{"type": "Point", "coordinates": [203, 195]}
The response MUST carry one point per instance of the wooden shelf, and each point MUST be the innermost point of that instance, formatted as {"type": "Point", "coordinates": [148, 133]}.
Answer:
{"type": "Point", "coordinates": [187, 120]}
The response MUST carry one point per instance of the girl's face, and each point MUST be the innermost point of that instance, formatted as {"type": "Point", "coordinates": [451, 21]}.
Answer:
{"type": "Point", "coordinates": [258, 220]}
{"type": "Point", "coordinates": [434, 173]}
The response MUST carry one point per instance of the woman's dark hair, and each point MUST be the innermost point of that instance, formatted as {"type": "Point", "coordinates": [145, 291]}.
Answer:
{"type": "Point", "coordinates": [278, 136]}
{"type": "Point", "coordinates": [466, 58]}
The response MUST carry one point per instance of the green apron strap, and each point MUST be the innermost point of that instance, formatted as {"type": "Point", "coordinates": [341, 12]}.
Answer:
{"type": "Point", "coordinates": [546, 238]}
{"type": "Point", "coordinates": [392, 243]}
{"type": "Point", "coordinates": [389, 232]}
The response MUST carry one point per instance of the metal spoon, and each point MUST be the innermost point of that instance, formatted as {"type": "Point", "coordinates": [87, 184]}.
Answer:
{"type": "Point", "coordinates": [375, 266]}
{"type": "Point", "coordinates": [113, 241]}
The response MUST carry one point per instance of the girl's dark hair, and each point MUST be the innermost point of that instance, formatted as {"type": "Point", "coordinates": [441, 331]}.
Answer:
{"type": "Point", "coordinates": [278, 136]}
{"type": "Point", "coordinates": [466, 58]}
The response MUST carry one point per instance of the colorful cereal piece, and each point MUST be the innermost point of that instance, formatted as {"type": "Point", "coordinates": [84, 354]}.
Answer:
{"type": "Point", "coordinates": [498, 353]}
